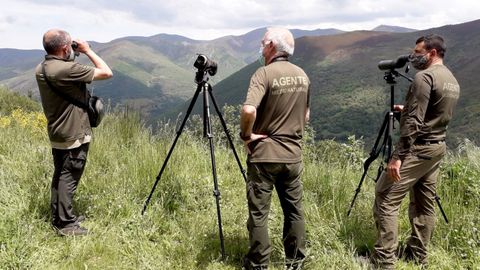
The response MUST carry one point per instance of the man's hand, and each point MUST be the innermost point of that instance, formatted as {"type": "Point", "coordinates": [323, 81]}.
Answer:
{"type": "Point", "coordinates": [83, 46]}
{"type": "Point", "coordinates": [393, 169]}
{"type": "Point", "coordinates": [398, 108]}
{"type": "Point", "coordinates": [253, 137]}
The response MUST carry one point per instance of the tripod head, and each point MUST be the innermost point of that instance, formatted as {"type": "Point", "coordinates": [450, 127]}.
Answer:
{"type": "Point", "coordinates": [391, 74]}
{"type": "Point", "coordinates": [201, 76]}
{"type": "Point", "coordinates": [392, 65]}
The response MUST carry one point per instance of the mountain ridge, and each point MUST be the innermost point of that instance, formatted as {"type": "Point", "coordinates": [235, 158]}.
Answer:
{"type": "Point", "coordinates": [394, 29]}
{"type": "Point", "coordinates": [158, 69]}
{"type": "Point", "coordinates": [349, 94]}
{"type": "Point", "coordinates": [155, 74]}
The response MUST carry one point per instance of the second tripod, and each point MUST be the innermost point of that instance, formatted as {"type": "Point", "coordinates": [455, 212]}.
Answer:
{"type": "Point", "coordinates": [385, 132]}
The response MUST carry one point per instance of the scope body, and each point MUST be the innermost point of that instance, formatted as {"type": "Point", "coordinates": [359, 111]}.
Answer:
{"type": "Point", "coordinates": [394, 64]}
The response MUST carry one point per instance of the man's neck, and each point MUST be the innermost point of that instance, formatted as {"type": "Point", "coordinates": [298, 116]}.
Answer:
{"type": "Point", "coordinates": [437, 61]}
{"type": "Point", "coordinates": [58, 54]}
{"type": "Point", "coordinates": [277, 57]}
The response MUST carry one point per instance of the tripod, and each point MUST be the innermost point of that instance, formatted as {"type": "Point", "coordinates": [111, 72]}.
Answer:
{"type": "Point", "coordinates": [201, 79]}
{"type": "Point", "coordinates": [386, 146]}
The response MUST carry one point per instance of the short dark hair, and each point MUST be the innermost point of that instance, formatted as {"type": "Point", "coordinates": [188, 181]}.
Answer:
{"type": "Point", "coordinates": [54, 40]}
{"type": "Point", "coordinates": [433, 41]}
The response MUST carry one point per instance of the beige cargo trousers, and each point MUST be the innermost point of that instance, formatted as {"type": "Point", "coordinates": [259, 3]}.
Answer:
{"type": "Point", "coordinates": [419, 172]}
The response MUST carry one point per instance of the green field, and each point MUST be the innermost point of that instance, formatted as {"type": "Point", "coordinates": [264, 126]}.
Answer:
{"type": "Point", "coordinates": [179, 229]}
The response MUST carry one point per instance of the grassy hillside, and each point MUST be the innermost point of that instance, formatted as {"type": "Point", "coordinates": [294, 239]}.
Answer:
{"type": "Point", "coordinates": [179, 229]}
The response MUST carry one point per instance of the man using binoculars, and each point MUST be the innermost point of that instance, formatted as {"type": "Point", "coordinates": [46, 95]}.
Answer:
{"type": "Point", "coordinates": [58, 78]}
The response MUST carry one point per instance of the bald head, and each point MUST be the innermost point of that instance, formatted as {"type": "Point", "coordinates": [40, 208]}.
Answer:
{"type": "Point", "coordinates": [282, 38]}
{"type": "Point", "coordinates": [54, 40]}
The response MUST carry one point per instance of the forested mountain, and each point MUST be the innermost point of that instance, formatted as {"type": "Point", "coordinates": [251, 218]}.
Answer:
{"type": "Point", "coordinates": [155, 75]}
{"type": "Point", "coordinates": [151, 74]}
{"type": "Point", "coordinates": [349, 93]}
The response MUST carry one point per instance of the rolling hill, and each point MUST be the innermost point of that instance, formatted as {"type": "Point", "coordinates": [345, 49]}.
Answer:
{"type": "Point", "coordinates": [349, 94]}
{"type": "Point", "coordinates": [151, 74]}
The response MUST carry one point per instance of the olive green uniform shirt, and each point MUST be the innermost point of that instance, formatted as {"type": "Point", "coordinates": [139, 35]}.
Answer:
{"type": "Point", "coordinates": [429, 106]}
{"type": "Point", "coordinates": [280, 92]}
{"type": "Point", "coordinates": [65, 121]}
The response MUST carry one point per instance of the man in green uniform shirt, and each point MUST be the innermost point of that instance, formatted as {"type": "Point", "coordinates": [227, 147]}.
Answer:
{"type": "Point", "coordinates": [272, 121]}
{"type": "Point", "coordinates": [414, 165]}
{"type": "Point", "coordinates": [68, 125]}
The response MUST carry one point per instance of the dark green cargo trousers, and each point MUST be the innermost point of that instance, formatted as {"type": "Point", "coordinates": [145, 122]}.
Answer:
{"type": "Point", "coordinates": [69, 165]}
{"type": "Point", "coordinates": [262, 178]}
{"type": "Point", "coordinates": [419, 172]}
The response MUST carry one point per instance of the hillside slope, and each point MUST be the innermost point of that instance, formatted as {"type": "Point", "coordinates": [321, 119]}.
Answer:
{"type": "Point", "coordinates": [349, 94]}
{"type": "Point", "coordinates": [151, 74]}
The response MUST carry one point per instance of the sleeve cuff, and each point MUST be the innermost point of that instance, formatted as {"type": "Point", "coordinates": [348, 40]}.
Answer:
{"type": "Point", "coordinates": [245, 137]}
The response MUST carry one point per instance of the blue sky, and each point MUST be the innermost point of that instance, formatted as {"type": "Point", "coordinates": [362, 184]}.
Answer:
{"type": "Point", "coordinates": [23, 22]}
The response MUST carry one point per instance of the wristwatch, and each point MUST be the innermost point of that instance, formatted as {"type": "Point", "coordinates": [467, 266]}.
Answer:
{"type": "Point", "coordinates": [245, 138]}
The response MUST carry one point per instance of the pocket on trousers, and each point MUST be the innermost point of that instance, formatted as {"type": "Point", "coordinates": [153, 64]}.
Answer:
{"type": "Point", "coordinates": [384, 183]}
{"type": "Point", "coordinates": [77, 158]}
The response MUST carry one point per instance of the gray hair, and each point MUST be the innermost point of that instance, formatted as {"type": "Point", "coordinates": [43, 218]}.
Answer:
{"type": "Point", "coordinates": [282, 38]}
{"type": "Point", "coordinates": [54, 39]}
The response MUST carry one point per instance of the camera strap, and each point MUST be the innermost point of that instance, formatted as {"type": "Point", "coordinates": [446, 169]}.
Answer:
{"type": "Point", "coordinates": [60, 93]}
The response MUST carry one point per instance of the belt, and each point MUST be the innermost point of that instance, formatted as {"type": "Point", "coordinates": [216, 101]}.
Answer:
{"type": "Point", "coordinates": [425, 142]}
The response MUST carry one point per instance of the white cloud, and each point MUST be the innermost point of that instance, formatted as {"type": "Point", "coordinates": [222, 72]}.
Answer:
{"type": "Point", "coordinates": [23, 22]}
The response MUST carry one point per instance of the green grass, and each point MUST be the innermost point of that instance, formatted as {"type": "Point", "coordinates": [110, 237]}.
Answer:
{"type": "Point", "coordinates": [179, 229]}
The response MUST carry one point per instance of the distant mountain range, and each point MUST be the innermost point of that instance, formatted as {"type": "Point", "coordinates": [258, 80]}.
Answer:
{"type": "Point", "coordinates": [155, 74]}
{"type": "Point", "coordinates": [152, 74]}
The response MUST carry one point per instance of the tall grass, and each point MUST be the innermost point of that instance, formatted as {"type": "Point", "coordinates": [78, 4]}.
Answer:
{"type": "Point", "coordinates": [179, 229]}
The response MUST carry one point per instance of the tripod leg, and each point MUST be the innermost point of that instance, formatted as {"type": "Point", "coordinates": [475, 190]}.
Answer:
{"type": "Point", "coordinates": [356, 192]}
{"type": "Point", "coordinates": [373, 155]}
{"type": "Point", "coordinates": [216, 191]}
{"type": "Point", "coordinates": [388, 137]}
{"type": "Point", "coordinates": [383, 132]}
{"type": "Point", "coordinates": [179, 132]}
{"type": "Point", "coordinates": [437, 199]}
{"type": "Point", "coordinates": [228, 134]}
